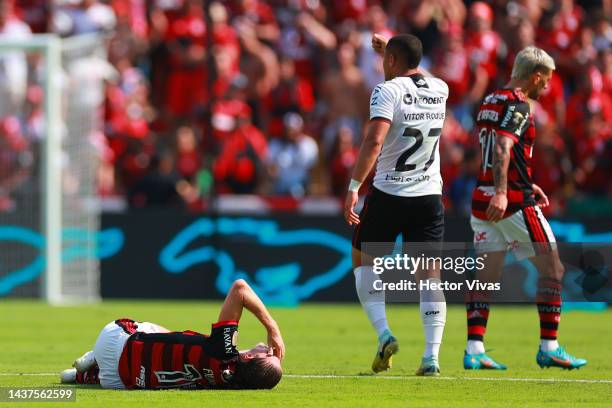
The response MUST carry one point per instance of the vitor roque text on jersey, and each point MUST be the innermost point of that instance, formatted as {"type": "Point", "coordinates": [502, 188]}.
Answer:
{"type": "Point", "coordinates": [424, 116]}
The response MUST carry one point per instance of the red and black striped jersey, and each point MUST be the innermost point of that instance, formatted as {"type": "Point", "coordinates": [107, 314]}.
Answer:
{"type": "Point", "coordinates": [505, 113]}
{"type": "Point", "coordinates": [179, 359]}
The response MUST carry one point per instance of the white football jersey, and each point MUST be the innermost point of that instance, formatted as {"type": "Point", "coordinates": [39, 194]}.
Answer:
{"type": "Point", "coordinates": [409, 162]}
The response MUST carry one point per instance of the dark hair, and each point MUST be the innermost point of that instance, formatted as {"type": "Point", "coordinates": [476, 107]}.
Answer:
{"type": "Point", "coordinates": [407, 48]}
{"type": "Point", "coordinates": [258, 373]}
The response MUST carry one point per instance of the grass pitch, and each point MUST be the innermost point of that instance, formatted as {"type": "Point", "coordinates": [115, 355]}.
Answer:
{"type": "Point", "coordinates": [329, 352]}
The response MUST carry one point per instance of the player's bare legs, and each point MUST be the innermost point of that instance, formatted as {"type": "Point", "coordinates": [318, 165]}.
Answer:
{"type": "Point", "coordinates": [548, 300]}
{"type": "Point", "coordinates": [373, 303]}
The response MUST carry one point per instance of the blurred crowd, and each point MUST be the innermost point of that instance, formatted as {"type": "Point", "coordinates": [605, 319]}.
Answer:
{"type": "Point", "coordinates": [270, 97]}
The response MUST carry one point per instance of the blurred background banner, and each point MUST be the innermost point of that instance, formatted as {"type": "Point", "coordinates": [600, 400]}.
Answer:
{"type": "Point", "coordinates": [288, 259]}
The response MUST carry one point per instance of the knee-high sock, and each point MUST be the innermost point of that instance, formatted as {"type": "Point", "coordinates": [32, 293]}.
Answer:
{"type": "Point", "coordinates": [433, 315]}
{"type": "Point", "coordinates": [477, 308]}
{"type": "Point", "coordinates": [549, 308]}
{"type": "Point", "coordinates": [373, 301]}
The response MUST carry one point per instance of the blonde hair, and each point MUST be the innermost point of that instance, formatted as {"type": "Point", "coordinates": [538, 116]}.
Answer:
{"type": "Point", "coordinates": [530, 59]}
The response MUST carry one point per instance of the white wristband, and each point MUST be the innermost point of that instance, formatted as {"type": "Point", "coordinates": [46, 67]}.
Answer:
{"type": "Point", "coordinates": [354, 186]}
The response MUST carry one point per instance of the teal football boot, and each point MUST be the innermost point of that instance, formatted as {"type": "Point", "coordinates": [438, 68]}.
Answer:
{"type": "Point", "coordinates": [559, 358]}
{"type": "Point", "coordinates": [481, 362]}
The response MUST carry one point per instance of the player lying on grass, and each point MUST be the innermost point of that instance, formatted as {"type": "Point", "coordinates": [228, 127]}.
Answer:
{"type": "Point", "coordinates": [506, 210]}
{"type": "Point", "coordinates": [142, 355]}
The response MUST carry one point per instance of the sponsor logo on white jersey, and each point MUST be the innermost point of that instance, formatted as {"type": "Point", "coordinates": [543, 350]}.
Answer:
{"type": "Point", "coordinates": [424, 100]}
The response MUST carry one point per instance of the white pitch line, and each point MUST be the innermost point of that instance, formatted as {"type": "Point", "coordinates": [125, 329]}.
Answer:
{"type": "Point", "coordinates": [393, 377]}
{"type": "Point", "coordinates": [389, 377]}
{"type": "Point", "coordinates": [27, 374]}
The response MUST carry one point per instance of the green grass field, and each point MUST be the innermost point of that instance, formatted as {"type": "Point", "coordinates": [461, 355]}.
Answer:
{"type": "Point", "coordinates": [329, 351]}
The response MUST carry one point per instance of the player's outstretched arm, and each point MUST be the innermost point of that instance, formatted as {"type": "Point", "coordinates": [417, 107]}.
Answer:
{"type": "Point", "coordinates": [242, 296]}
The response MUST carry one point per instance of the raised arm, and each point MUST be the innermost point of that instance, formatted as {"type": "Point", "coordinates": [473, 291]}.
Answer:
{"type": "Point", "coordinates": [379, 43]}
{"type": "Point", "coordinates": [242, 296]}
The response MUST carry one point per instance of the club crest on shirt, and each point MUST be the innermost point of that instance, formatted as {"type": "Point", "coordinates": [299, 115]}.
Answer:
{"type": "Point", "coordinates": [519, 120]}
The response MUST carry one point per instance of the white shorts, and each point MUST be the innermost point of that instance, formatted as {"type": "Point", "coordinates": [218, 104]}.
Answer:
{"type": "Point", "coordinates": [517, 233]}
{"type": "Point", "coordinates": [109, 347]}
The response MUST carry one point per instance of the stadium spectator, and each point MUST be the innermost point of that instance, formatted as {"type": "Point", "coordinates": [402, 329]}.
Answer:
{"type": "Point", "coordinates": [485, 48]}
{"type": "Point", "coordinates": [239, 166]}
{"type": "Point", "coordinates": [188, 157]}
{"type": "Point", "coordinates": [589, 101]}
{"type": "Point", "coordinates": [258, 14]}
{"type": "Point", "coordinates": [16, 162]}
{"type": "Point", "coordinates": [370, 63]}
{"type": "Point", "coordinates": [602, 35]}
{"type": "Point", "coordinates": [13, 66]}
{"type": "Point", "coordinates": [450, 62]}
{"type": "Point", "coordinates": [185, 41]}
{"type": "Point", "coordinates": [343, 160]}
{"type": "Point", "coordinates": [593, 153]}
{"type": "Point", "coordinates": [291, 94]}
{"type": "Point", "coordinates": [605, 64]}
{"type": "Point", "coordinates": [303, 38]}
{"type": "Point", "coordinates": [83, 17]}
{"type": "Point", "coordinates": [559, 31]}
{"type": "Point", "coordinates": [345, 96]}
{"type": "Point", "coordinates": [35, 13]}
{"type": "Point", "coordinates": [260, 66]}
{"type": "Point", "coordinates": [291, 158]}
{"type": "Point", "coordinates": [452, 145]}
{"type": "Point", "coordinates": [33, 115]}
{"type": "Point", "coordinates": [460, 191]}
{"type": "Point", "coordinates": [158, 187]}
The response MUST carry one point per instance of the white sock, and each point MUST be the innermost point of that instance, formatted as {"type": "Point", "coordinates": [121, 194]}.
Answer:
{"type": "Point", "coordinates": [549, 345]}
{"type": "Point", "coordinates": [373, 301]}
{"type": "Point", "coordinates": [433, 315]}
{"type": "Point", "coordinates": [475, 347]}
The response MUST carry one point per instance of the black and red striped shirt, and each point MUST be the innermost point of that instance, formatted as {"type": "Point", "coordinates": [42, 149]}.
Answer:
{"type": "Point", "coordinates": [179, 359]}
{"type": "Point", "coordinates": [505, 113]}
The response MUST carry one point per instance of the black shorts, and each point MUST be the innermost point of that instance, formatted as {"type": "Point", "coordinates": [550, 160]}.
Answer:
{"type": "Point", "coordinates": [385, 216]}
